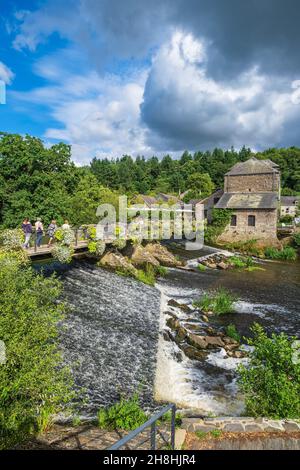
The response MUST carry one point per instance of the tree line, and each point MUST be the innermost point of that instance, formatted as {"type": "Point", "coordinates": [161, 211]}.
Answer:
{"type": "Point", "coordinates": [40, 181]}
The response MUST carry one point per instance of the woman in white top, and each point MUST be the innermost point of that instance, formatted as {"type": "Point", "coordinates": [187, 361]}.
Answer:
{"type": "Point", "coordinates": [66, 225]}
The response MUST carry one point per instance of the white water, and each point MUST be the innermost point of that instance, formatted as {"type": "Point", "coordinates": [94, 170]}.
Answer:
{"type": "Point", "coordinates": [186, 382]}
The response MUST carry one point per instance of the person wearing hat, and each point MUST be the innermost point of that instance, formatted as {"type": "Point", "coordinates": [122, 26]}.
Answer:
{"type": "Point", "coordinates": [39, 230]}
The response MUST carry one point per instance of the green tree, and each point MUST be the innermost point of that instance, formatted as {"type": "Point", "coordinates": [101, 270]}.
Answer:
{"type": "Point", "coordinates": [271, 381]}
{"type": "Point", "coordinates": [33, 384]}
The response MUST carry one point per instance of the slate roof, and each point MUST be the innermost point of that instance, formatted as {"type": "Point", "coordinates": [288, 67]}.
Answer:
{"type": "Point", "coordinates": [253, 166]}
{"type": "Point", "coordinates": [289, 200]}
{"type": "Point", "coordinates": [248, 201]}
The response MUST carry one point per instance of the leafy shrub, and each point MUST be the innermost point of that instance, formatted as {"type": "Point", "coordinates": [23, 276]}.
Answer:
{"type": "Point", "coordinates": [126, 415]}
{"type": "Point", "coordinates": [288, 253]}
{"type": "Point", "coordinates": [286, 219]}
{"type": "Point", "coordinates": [232, 332]}
{"type": "Point", "coordinates": [13, 238]}
{"type": "Point", "coordinates": [220, 220]}
{"type": "Point", "coordinates": [296, 239]}
{"type": "Point", "coordinates": [33, 384]}
{"type": "Point", "coordinates": [65, 236]}
{"type": "Point", "coordinates": [220, 302]}
{"type": "Point", "coordinates": [161, 271]}
{"type": "Point", "coordinates": [201, 267]}
{"type": "Point", "coordinates": [62, 253]}
{"type": "Point", "coordinates": [271, 380]}
{"type": "Point", "coordinates": [119, 243]}
{"type": "Point", "coordinates": [96, 247]}
{"type": "Point", "coordinates": [237, 262]}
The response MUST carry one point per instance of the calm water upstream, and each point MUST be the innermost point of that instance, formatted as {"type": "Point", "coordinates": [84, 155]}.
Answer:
{"type": "Point", "coordinates": [111, 335]}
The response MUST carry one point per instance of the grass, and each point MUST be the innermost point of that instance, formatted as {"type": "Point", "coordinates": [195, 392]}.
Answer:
{"type": "Point", "coordinates": [127, 414]}
{"type": "Point", "coordinates": [161, 271]}
{"type": "Point", "coordinates": [219, 302]}
{"type": "Point", "coordinates": [147, 276]}
{"type": "Point", "coordinates": [214, 433]}
{"type": "Point", "coordinates": [232, 332]}
{"type": "Point", "coordinates": [201, 267]}
{"type": "Point", "coordinates": [288, 253]}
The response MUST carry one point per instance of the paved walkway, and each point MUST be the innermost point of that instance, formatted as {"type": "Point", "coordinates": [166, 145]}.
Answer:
{"type": "Point", "coordinates": [89, 437]}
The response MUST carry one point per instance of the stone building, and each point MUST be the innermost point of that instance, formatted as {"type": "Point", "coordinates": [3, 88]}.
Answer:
{"type": "Point", "coordinates": [289, 205]}
{"type": "Point", "coordinates": [208, 203]}
{"type": "Point", "coordinates": [252, 192]}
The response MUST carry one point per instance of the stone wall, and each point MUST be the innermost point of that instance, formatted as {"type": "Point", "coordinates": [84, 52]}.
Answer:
{"type": "Point", "coordinates": [243, 424]}
{"type": "Point", "coordinates": [265, 226]}
{"type": "Point", "coordinates": [252, 183]}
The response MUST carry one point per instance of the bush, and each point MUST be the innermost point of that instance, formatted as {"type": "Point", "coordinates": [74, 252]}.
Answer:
{"type": "Point", "coordinates": [126, 415]}
{"type": "Point", "coordinates": [220, 220]}
{"type": "Point", "coordinates": [62, 253]}
{"type": "Point", "coordinates": [12, 238]}
{"type": "Point", "coordinates": [201, 267]}
{"type": "Point", "coordinates": [96, 247]}
{"type": "Point", "coordinates": [120, 243]}
{"type": "Point", "coordinates": [220, 302]}
{"type": "Point", "coordinates": [232, 332]}
{"type": "Point", "coordinates": [296, 239]}
{"type": "Point", "coordinates": [65, 236]}
{"type": "Point", "coordinates": [33, 384]}
{"type": "Point", "coordinates": [271, 381]}
{"type": "Point", "coordinates": [288, 253]}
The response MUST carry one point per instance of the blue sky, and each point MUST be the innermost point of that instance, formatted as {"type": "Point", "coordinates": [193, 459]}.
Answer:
{"type": "Point", "coordinates": [131, 76]}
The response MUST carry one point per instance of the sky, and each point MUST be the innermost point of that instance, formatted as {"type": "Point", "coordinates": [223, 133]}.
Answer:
{"type": "Point", "coordinates": [140, 77]}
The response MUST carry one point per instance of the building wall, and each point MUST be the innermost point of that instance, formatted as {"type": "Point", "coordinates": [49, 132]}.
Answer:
{"type": "Point", "coordinates": [252, 183]}
{"type": "Point", "coordinates": [265, 226]}
{"type": "Point", "coordinates": [288, 210]}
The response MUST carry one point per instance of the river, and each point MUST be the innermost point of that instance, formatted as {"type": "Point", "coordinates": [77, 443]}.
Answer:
{"type": "Point", "coordinates": [111, 336]}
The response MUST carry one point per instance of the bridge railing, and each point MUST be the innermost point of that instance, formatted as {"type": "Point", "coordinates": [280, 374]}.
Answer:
{"type": "Point", "coordinates": [152, 424]}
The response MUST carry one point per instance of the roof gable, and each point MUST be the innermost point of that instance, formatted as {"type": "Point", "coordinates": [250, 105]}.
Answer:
{"type": "Point", "coordinates": [253, 166]}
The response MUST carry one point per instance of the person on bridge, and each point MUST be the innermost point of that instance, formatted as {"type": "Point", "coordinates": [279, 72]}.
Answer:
{"type": "Point", "coordinates": [51, 231]}
{"type": "Point", "coordinates": [27, 229]}
{"type": "Point", "coordinates": [66, 225]}
{"type": "Point", "coordinates": [39, 230]}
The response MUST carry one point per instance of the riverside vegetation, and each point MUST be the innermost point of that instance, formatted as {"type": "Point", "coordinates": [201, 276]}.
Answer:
{"type": "Point", "coordinates": [34, 385]}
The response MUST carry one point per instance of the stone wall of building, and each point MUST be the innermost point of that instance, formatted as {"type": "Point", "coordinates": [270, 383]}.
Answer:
{"type": "Point", "coordinates": [265, 227]}
{"type": "Point", "coordinates": [252, 183]}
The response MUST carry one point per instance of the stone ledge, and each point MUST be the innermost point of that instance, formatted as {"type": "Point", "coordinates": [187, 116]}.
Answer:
{"type": "Point", "coordinates": [243, 424]}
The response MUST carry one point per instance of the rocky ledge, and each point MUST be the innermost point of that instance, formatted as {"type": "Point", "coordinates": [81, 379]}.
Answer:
{"type": "Point", "coordinates": [197, 338]}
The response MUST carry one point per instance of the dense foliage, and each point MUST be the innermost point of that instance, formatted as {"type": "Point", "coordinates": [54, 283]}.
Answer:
{"type": "Point", "coordinates": [220, 302]}
{"type": "Point", "coordinates": [271, 381]}
{"type": "Point", "coordinates": [33, 385]}
{"type": "Point", "coordinates": [37, 181]}
{"type": "Point", "coordinates": [127, 415]}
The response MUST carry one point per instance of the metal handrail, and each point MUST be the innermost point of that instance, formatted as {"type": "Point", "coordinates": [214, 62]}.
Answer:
{"type": "Point", "coordinates": [151, 422]}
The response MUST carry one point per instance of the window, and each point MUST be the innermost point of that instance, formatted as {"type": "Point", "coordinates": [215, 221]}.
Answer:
{"type": "Point", "coordinates": [233, 221]}
{"type": "Point", "coordinates": [251, 220]}
{"type": "Point", "coordinates": [205, 213]}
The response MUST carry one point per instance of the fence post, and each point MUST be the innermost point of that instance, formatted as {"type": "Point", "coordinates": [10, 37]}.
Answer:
{"type": "Point", "coordinates": [76, 237]}
{"type": "Point", "coordinates": [173, 427]}
{"type": "Point", "coordinates": [153, 436]}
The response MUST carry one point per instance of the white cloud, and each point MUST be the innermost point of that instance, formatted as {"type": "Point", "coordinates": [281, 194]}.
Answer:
{"type": "Point", "coordinates": [97, 115]}
{"type": "Point", "coordinates": [6, 74]}
{"type": "Point", "coordinates": [184, 108]}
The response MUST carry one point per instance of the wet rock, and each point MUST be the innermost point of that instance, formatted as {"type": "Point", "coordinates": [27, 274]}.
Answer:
{"type": "Point", "coordinates": [162, 255]}
{"type": "Point", "coordinates": [183, 307]}
{"type": "Point", "coordinates": [205, 342]}
{"type": "Point", "coordinates": [167, 335]}
{"type": "Point", "coordinates": [205, 318]}
{"type": "Point", "coordinates": [117, 261]}
{"type": "Point", "coordinates": [222, 265]}
{"type": "Point", "coordinates": [176, 326]}
{"type": "Point", "coordinates": [193, 353]}
{"type": "Point", "coordinates": [141, 257]}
